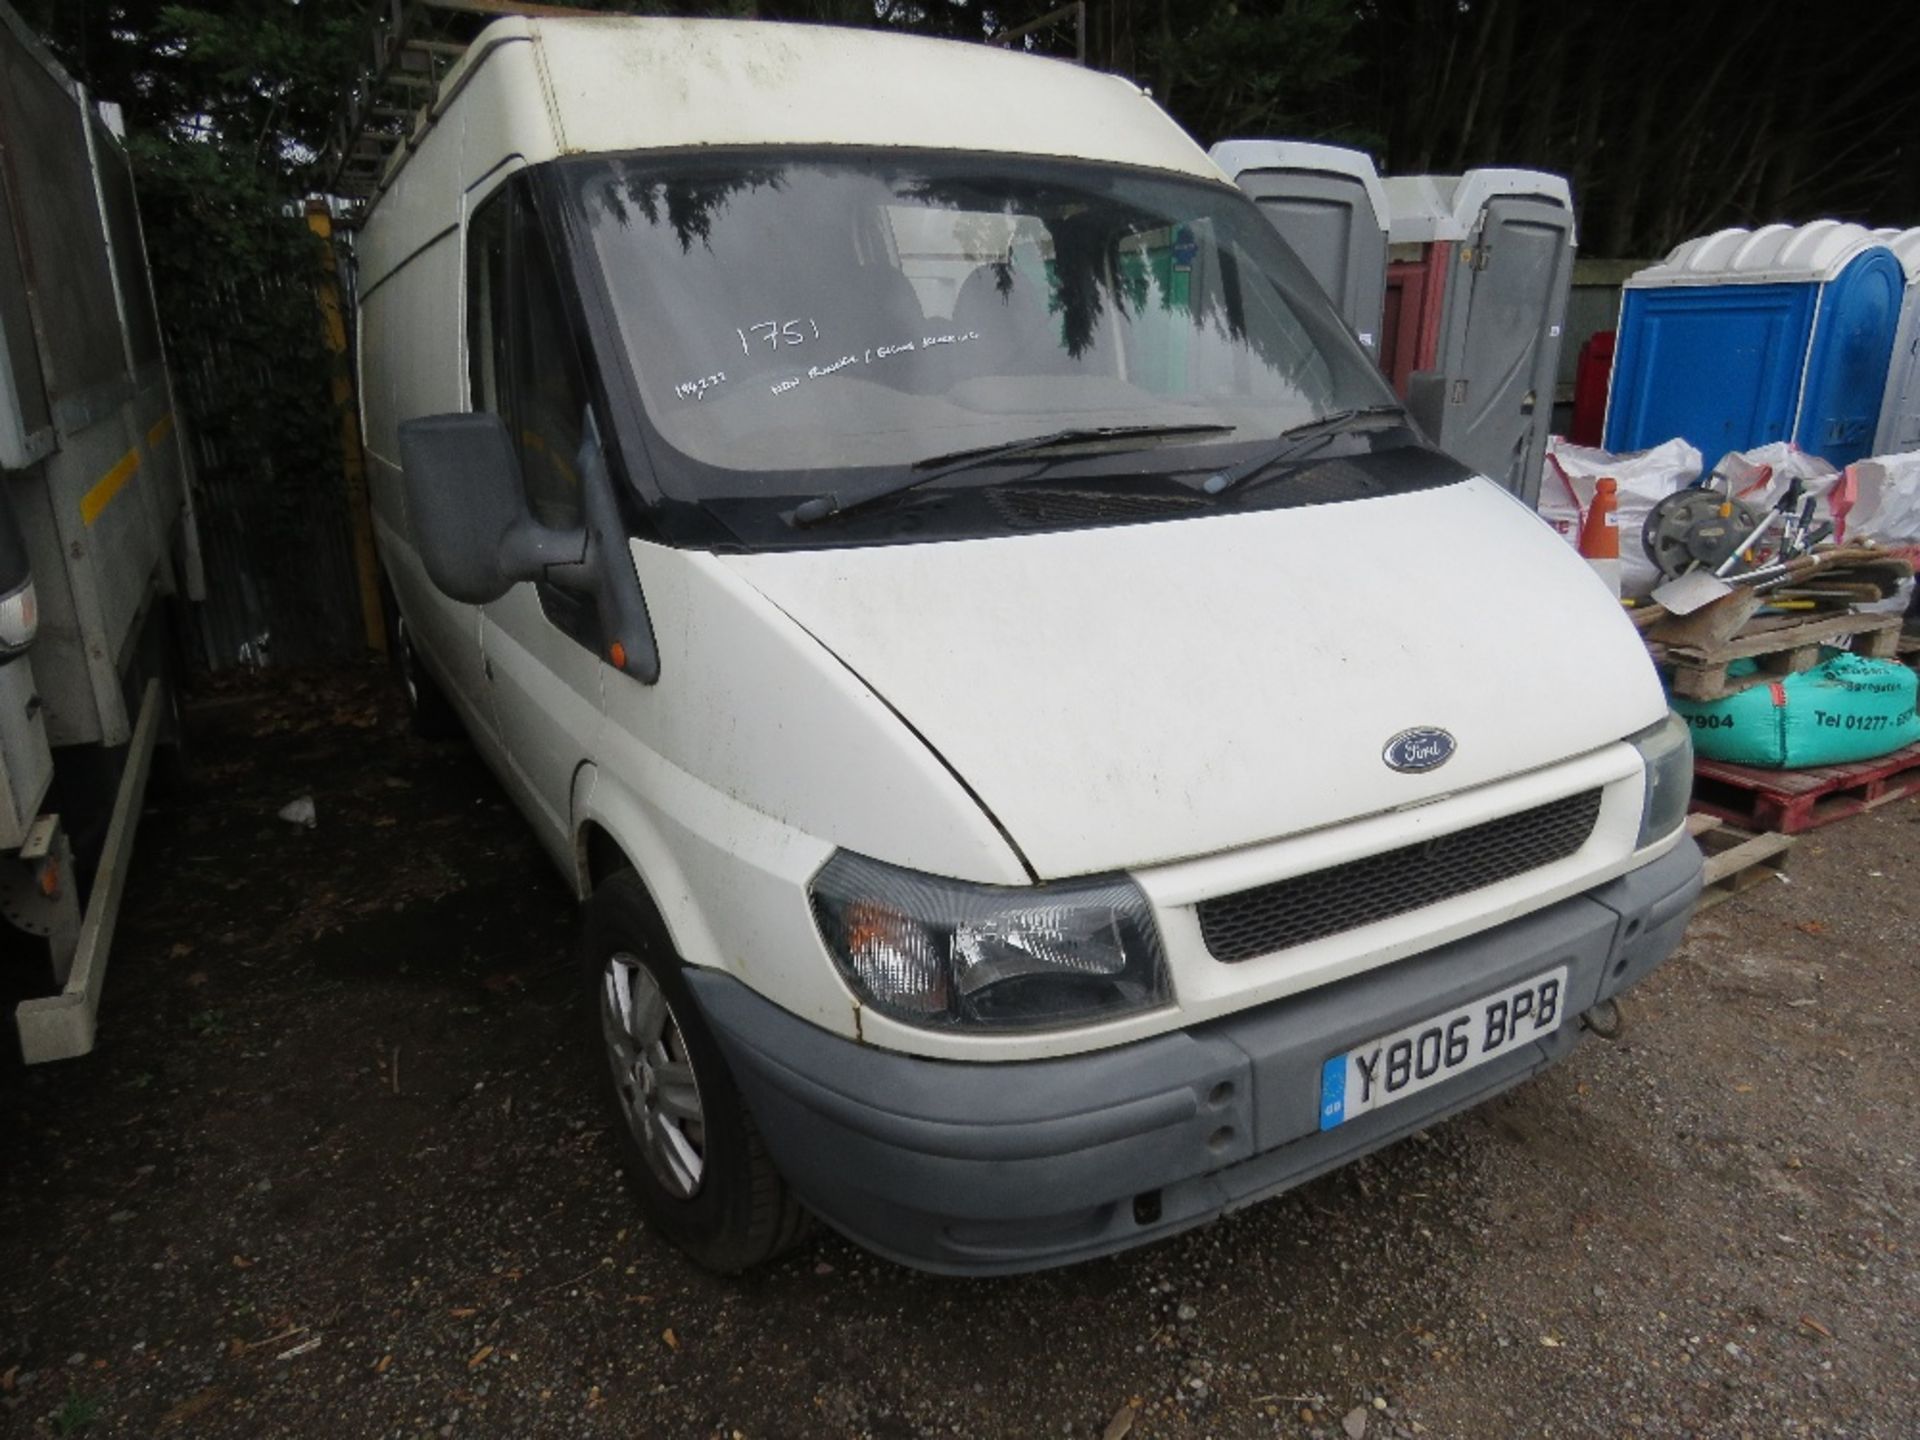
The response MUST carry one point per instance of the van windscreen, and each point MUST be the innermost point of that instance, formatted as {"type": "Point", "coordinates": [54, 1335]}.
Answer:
{"type": "Point", "coordinates": [791, 311]}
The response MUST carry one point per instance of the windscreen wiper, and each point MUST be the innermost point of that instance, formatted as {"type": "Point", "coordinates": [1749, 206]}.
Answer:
{"type": "Point", "coordinates": [937, 467]}
{"type": "Point", "coordinates": [1301, 440]}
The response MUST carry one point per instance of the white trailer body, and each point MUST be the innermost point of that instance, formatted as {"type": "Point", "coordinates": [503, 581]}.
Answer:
{"type": "Point", "coordinates": [94, 472]}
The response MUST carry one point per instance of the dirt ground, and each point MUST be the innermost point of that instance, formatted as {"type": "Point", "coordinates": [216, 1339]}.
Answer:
{"type": "Point", "coordinates": [336, 1170]}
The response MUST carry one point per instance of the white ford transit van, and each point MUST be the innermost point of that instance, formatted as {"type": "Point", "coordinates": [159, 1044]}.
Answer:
{"type": "Point", "coordinates": [1047, 754]}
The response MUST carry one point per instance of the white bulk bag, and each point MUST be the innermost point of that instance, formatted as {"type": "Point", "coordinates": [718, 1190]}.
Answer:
{"type": "Point", "coordinates": [1643, 478]}
{"type": "Point", "coordinates": [1761, 475]}
{"type": "Point", "coordinates": [1885, 497]}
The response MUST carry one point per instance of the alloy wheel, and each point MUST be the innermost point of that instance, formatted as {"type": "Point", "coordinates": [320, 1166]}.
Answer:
{"type": "Point", "coordinates": [653, 1074]}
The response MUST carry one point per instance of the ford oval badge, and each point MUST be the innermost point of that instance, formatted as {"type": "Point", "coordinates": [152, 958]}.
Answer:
{"type": "Point", "coordinates": [1425, 747]}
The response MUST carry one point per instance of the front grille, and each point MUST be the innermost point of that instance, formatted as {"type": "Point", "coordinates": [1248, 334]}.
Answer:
{"type": "Point", "coordinates": [1344, 897]}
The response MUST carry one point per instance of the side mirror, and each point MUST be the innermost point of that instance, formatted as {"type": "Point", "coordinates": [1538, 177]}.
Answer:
{"type": "Point", "coordinates": [467, 508]}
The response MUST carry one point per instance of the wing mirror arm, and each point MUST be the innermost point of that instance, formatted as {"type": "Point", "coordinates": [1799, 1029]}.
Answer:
{"type": "Point", "coordinates": [530, 549]}
{"type": "Point", "coordinates": [606, 570]}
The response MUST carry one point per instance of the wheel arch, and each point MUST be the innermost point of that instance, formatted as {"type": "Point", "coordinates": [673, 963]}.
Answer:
{"type": "Point", "coordinates": [598, 855]}
{"type": "Point", "coordinates": [612, 832]}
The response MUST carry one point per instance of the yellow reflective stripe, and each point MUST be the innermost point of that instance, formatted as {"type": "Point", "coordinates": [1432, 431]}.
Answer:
{"type": "Point", "coordinates": [108, 486]}
{"type": "Point", "coordinates": [160, 429]}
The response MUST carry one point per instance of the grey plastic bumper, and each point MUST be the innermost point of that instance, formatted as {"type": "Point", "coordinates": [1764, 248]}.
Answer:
{"type": "Point", "coordinates": [984, 1169]}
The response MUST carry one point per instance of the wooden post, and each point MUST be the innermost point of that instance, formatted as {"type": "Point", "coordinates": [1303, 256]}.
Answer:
{"type": "Point", "coordinates": [352, 461]}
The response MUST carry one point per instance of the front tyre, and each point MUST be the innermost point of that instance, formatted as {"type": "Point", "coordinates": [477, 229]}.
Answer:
{"type": "Point", "coordinates": [692, 1154]}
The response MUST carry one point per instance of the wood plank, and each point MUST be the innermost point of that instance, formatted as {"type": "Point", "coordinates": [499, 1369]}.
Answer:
{"type": "Point", "coordinates": [1714, 623]}
{"type": "Point", "coordinates": [1882, 644]}
{"type": "Point", "coordinates": [1691, 682]}
{"type": "Point", "coordinates": [1750, 851]}
{"type": "Point", "coordinates": [1764, 637]}
{"type": "Point", "coordinates": [1790, 662]}
{"type": "Point", "coordinates": [1737, 861]}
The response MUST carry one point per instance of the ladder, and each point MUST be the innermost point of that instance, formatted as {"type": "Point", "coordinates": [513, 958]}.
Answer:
{"type": "Point", "coordinates": [415, 44]}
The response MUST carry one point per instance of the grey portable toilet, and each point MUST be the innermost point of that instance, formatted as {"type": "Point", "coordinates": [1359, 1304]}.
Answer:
{"type": "Point", "coordinates": [1484, 387]}
{"type": "Point", "coordinates": [1899, 429]}
{"type": "Point", "coordinates": [1328, 204]}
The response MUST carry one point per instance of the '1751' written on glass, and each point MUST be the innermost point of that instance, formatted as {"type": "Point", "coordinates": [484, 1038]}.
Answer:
{"type": "Point", "coordinates": [777, 333]}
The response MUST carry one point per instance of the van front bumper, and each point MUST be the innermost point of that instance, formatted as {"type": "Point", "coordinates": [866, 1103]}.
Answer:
{"type": "Point", "coordinates": [996, 1168]}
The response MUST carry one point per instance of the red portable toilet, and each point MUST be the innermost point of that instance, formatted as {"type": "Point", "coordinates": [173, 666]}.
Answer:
{"type": "Point", "coordinates": [1422, 234]}
{"type": "Point", "coordinates": [1590, 382]}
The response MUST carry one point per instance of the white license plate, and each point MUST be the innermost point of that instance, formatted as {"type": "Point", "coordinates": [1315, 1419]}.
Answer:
{"type": "Point", "coordinates": [1408, 1061]}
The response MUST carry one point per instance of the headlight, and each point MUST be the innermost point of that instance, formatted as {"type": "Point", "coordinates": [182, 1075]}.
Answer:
{"type": "Point", "coordinates": [1666, 750]}
{"type": "Point", "coordinates": [942, 953]}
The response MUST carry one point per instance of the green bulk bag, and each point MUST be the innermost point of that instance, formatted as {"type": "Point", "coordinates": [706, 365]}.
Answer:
{"type": "Point", "coordinates": [1847, 707]}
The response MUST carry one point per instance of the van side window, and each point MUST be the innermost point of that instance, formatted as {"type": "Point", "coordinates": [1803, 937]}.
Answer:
{"type": "Point", "coordinates": [487, 301]}
{"type": "Point", "coordinates": [547, 391]}
{"type": "Point", "coordinates": [522, 365]}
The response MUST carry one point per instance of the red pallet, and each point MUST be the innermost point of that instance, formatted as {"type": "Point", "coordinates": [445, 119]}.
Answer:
{"type": "Point", "coordinates": [1791, 801]}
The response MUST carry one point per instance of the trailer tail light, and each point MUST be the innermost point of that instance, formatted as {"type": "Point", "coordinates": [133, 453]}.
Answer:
{"type": "Point", "coordinates": [19, 619]}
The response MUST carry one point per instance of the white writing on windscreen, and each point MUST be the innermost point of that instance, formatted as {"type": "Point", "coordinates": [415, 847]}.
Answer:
{"type": "Point", "coordinates": [778, 333]}
{"type": "Point", "coordinates": [871, 355]}
{"type": "Point", "coordinates": [697, 389]}
{"type": "Point", "coordinates": [785, 334]}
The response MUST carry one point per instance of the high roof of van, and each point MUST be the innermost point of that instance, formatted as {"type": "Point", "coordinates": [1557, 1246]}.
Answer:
{"type": "Point", "coordinates": [594, 85]}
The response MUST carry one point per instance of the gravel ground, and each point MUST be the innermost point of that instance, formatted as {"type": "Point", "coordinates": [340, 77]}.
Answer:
{"type": "Point", "coordinates": [336, 1170]}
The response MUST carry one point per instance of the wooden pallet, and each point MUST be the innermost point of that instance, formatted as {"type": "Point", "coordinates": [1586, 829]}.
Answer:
{"type": "Point", "coordinates": [1791, 801]}
{"type": "Point", "coordinates": [1782, 646]}
{"type": "Point", "coordinates": [1736, 861]}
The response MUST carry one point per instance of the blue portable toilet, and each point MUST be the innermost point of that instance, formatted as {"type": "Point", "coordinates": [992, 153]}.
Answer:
{"type": "Point", "coordinates": [1745, 337]}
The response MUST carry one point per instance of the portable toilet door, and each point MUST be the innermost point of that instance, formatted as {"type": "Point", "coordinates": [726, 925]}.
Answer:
{"type": "Point", "coordinates": [1746, 337]}
{"type": "Point", "coordinates": [1329, 206]}
{"type": "Point", "coordinates": [1487, 397]}
{"type": "Point", "coordinates": [1898, 432]}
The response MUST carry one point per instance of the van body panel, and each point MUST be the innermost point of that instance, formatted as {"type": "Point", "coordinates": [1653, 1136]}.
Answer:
{"type": "Point", "coordinates": [414, 324]}
{"type": "Point", "coordinates": [757, 753]}
{"type": "Point", "coordinates": [504, 115]}
{"type": "Point", "coordinates": [727, 82]}
{"type": "Point", "coordinates": [546, 692]}
{"type": "Point", "coordinates": [729, 882]}
{"type": "Point", "coordinates": [447, 634]}
{"type": "Point", "coordinates": [1116, 697]}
